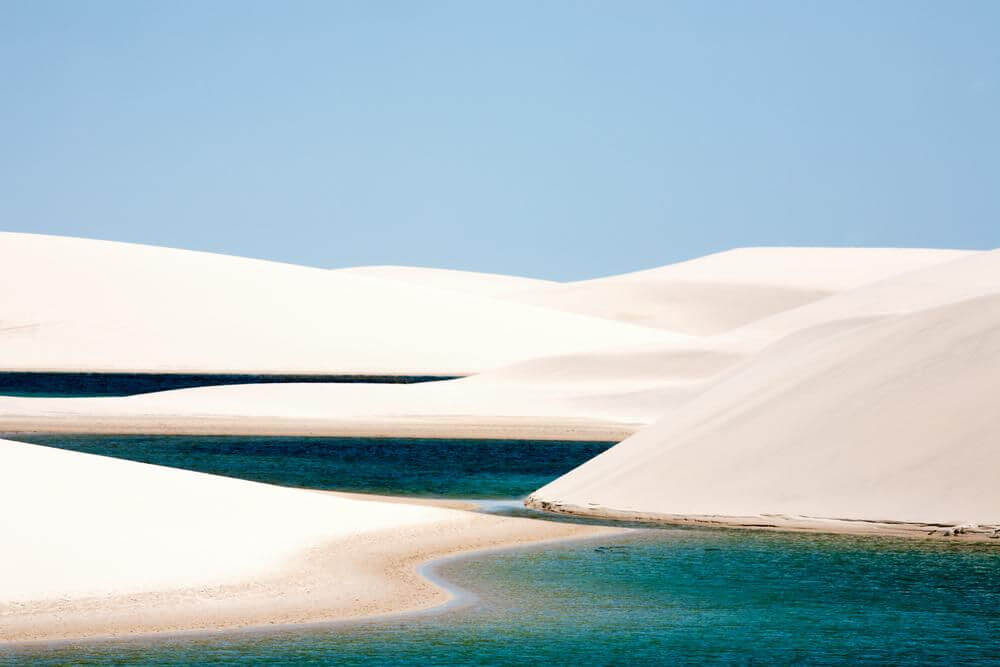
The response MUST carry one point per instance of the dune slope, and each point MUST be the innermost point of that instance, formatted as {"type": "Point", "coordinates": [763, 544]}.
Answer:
{"type": "Point", "coordinates": [90, 525]}
{"type": "Point", "coordinates": [85, 305]}
{"type": "Point", "coordinates": [967, 276]}
{"type": "Point", "coordinates": [886, 418]}
{"type": "Point", "coordinates": [719, 292]}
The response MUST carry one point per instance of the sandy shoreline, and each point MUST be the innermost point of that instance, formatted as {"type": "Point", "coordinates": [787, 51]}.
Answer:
{"type": "Point", "coordinates": [472, 427]}
{"type": "Point", "coordinates": [316, 586]}
{"type": "Point", "coordinates": [951, 531]}
{"type": "Point", "coordinates": [108, 547]}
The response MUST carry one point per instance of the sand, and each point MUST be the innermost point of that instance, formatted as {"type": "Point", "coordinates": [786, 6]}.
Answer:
{"type": "Point", "coordinates": [606, 392]}
{"type": "Point", "coordinates": [110, 547]}
{"type": "Point", "coordinates": [604, 395]}
{"type": "Point", "coordinates": [717, 293]}
{"type": "Point", "coordinates": [438, 410]}
{"type": "Point", "coordinates": [473, 282]}
{"type": "Point", "coordinates": [880, 411]}
{"type": "Point", "coordinates": [84, 305]}
{"type": "Point", "coordinates": [843, 390]}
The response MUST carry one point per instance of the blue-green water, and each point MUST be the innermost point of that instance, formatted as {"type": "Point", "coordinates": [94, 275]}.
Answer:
{"type": "Point", "coordinates": [402, 466]}
{"type": "Point", "coordinates": [651, 597]}
{"type": "Point", "coordinates": [655, 597]}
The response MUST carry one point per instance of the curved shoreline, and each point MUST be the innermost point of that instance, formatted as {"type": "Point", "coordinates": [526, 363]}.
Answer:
{"type": "Point", "coordinates": [381, 579]}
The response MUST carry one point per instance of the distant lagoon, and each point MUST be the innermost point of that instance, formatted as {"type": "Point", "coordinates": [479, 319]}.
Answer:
{"type": "Point", "coordinates": [68, 384]}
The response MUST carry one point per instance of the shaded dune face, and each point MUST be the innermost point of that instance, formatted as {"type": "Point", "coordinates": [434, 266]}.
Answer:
{"type": "Point", "coordinates": [718, 293]}
{"type": "Point", "coordinates": [638, 366]}
{"type": "Point", "coordinates": [969, 276]}
{"type": "Point", "coordinates": [701, 309]}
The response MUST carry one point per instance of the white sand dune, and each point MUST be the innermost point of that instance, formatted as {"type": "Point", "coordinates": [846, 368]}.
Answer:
{"type": "Point", "coordinates": [881, 411]}
{"type": "Point", "coordinates": [473, 282]}
{"type": "Point", "coordinates": [91, 545]}
{"type": "Point", "coordinates": [89, 525]}
{"type": "Point", "coordinates": [967, 276]}
{"type": "Point", "coordinates": [434, 410]}
{"type": "Point", "coordinates": [83, 305]}
{"type": "Point", "coordinates": [602, 392]}
{"type": "Point", "coordinates": [600, 395]}
{"type": "Point", "coordinates": [719, 292]}
{"type": "Point", "coordinates": [619, 378]}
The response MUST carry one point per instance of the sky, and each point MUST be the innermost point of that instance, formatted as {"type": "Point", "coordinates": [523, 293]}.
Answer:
{"type": "Point", "coordinates": [559, 140]}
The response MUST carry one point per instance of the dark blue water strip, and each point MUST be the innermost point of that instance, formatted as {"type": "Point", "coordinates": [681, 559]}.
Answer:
{"type": "Point", "coordinates": [127, 384]}
{"type": "Point", "coordinates": [451, 468]}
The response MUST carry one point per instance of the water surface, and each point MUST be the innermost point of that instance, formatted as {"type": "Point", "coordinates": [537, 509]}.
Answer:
{"type": "Point", "coordinates": [691, 595]}
{"type": "Point", "coordinates": [655, 597]}
{"type": "Point", "coordinates": [63, 385]}
{"type": "Point", "coordinates": [395, 466]}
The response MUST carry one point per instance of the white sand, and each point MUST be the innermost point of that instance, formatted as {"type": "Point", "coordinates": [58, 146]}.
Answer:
{"type": "Point", "coordinates": [602, 395]}
{"type": "Point", "coordinates": [719, 292]}
{"type": "Point", "coordinates": [473, 282]}
{"type": "Point", "coordinates": [603, 392]}
{"type": "Point", "coordinates": [882, 411]}
{"type": "Point", "coordinates": [103, 306]}
{"type": "Point", "coordinates": [798, 388]}
{"type": "Point", "coordinates": [89, 525]}
{"type": "Point", "coordinates": [91, 545]}
{"type": "Point", "coordinates": [967, 276]}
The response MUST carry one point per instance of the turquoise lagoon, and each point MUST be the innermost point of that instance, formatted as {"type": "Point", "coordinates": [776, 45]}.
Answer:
{"type": "Point", "coordinates": [655, 596]}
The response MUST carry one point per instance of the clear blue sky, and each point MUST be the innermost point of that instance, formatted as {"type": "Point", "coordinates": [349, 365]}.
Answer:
{"type": "Point", "coordinates": [550, 139]}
